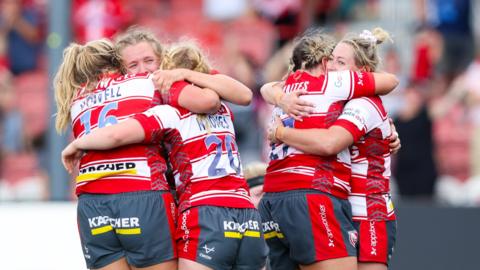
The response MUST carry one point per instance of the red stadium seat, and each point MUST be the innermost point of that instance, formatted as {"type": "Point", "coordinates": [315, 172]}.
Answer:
{"type": "Point", "coordinates": [31, 90]}
{"type": "Point", "coordinates": [257, 44]}
{"type": "Point", "coordinates": [17, 166]}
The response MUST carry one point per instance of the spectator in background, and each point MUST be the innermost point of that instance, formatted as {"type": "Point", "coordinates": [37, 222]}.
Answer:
{"type": "Point", "coordinates": [288, 17]}
{"type": "Point", "coordinates": [20, 22]}
{"type": "Point", "coordinates": [415, 170]}
{"type": "Point", "coordinates": [428, 50]}
{"type": "Point", "coordinates": [392, 64]}
{"type": "Point", "coordinates": [11, 135]}
{"type": "Point", "coordinates": [452, 19]}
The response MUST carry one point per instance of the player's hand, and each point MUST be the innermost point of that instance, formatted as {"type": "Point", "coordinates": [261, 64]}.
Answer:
{"type": "Point", "coordinates": [163, 79]}
{"type": "Point", "coordinates": [272, 130]}
{"type": "Point", "coordinates": [70, 156]}
{"type": "Point", "coordinates": [294, 106]}
{"type": "Point", "coordinates": [394, 138]}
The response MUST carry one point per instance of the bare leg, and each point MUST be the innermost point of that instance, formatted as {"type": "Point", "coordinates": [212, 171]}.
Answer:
{"type": "Point", "coordinates": [185, 264]}
{"type": "Point", "coordinates": [346, 263]}
{"type": "Point", "coordinates": [120, 264]}
{"type": "Point", "coordinates": [372, 266]}
{"type": "Point", "coordinates": [168, 265]}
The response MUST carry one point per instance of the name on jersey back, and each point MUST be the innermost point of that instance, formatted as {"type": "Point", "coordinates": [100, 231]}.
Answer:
{"type": "Point", "coordinates": [110, 93]}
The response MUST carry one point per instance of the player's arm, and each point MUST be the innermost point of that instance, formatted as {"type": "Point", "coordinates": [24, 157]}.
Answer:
{"type": "Point", "coordinates": [226, 87]}
{"type": "Point", "coordinates": [290, 103]}
{"type": "Point", "coordinates": [323, 142]}
{"type": "Point", "coordinates": [384, 82]}
{"type": "Point", "coordinates": [126, 132]}
{"type": "Point", "coordinates": [360, 84]}
{"type": "Point", "coordinates": [199, 100]}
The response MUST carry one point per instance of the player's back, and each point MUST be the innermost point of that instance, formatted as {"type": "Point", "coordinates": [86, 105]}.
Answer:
{"type": "Point", "coordinates": [368, 121]}
{"type": "Point", "coordinates": [128, 168]}
{"type": "Point", "coordinates": [204, 155]}
{"type": "Point", "coordinates": [290, 168]}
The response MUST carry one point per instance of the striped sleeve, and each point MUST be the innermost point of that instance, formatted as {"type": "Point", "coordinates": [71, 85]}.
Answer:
{"type": "Point", "coordinates": [363, 84]}
{"type": "Point", "coordinates": [345, 85]}
{"type": "Point", "coordinates": [359, 117]}
{"type": "Point", "coordinates": [156, 120]}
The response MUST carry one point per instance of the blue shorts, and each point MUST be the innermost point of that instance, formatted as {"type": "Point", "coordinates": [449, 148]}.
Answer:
{"type": "Point", "coordinates": [302, 227]}
{"type": "Point", "coordinates": [222, 238]}
{"type": "Point", "coordinates": [136, 225]}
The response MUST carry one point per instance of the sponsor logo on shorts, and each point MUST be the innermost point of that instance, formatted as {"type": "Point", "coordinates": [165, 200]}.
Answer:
{"type": "Point", "coordinates": [271, 229]}
{"type": "Point", "coordinates": [234, 229]}
{"type": "Point", "coordinates": [87, 256]}
{"type": "Point", "coordinates": [205, 256]}
{"type": "Point", "coordinates": [207, 250]}
{"type": "Point", "coordinates": [186, 231]}
{"type": "Point", "coordinates": [353, 237]}
{"type": "Point", "coordinates": [373, 238]}
{"type": "Point", "coordinates": [173, 212]}
{"type": "Point", "coordinates": [103, 224]}
{"type": "Point", "coordinates": [323, 216]}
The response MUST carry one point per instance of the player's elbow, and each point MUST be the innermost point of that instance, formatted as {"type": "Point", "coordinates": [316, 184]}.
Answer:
{"type": "Point", "coordinates": [387, 83]}
{"type": "Point", "coordinates": [245, 97]}
{"type": "Point", "coordinates": [392, 82]}
{"type": "Point", "coordinates": [212, 105]}
{"type": "Point", "coordinates": [264, 91]}
{"type": "Point", "coordinates": [115, 139]}
{"type": "Point", "coordinates": [327, 147]}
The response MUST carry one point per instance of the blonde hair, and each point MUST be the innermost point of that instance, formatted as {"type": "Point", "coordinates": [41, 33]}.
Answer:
{"type": "Point", "coordinates": [365, 47]}
{"type": "Point", "coordinates": [133, 36]}
{"type": "Point", "coordinates": [186, 54]}
{"type": "Point", "coordinates": [81, 67]}
{"type": "Point", "coordinates": [310, 49]}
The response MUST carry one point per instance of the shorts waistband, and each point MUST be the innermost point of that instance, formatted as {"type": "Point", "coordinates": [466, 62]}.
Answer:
{"type": "Point", "coordinates": [298, 192]}
{"type": "Point", "coordinates": [93, 196]}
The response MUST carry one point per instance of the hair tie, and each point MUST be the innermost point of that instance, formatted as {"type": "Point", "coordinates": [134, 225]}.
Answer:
{"type": "Point", "coordinates": [367, 35]}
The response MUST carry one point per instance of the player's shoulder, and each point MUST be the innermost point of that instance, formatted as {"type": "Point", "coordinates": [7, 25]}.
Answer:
{"type": "Point", "coordinates": [373, 103]}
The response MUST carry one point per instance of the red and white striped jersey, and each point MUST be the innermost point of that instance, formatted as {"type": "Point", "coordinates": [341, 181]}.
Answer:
{"type": "Point", "coordinates": [290, 168]}
{"type": "Point", "coordinates": [124, 169]}
{"type": "Point", "coordinates": [367, 121]}
{"type": "Point", "coordinates": [204, 155]}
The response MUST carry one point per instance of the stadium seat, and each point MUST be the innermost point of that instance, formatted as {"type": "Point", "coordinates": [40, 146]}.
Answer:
{"type": "Point", "coordinates": [31, 90]}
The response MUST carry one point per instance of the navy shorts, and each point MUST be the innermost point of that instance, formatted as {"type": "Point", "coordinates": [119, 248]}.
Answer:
{"type": "Point", "coordinates": [221, 237]}
{"type": "Point", "coordinates": [302, 227]}
{"type": "Point", "coordinates": [136, 225]}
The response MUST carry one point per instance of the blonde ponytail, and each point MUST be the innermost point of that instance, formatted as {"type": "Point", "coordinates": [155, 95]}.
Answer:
{"type": "Point", "coordinates": [65, 83]}
{"type": "Point", "coordinates": [365, 47]}
{"type": "Point", "coordinates": [82, 66]}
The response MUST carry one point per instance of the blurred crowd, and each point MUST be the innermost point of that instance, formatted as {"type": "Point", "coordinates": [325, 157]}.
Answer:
{"type": "Point", "coordinates": [435, 52]}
